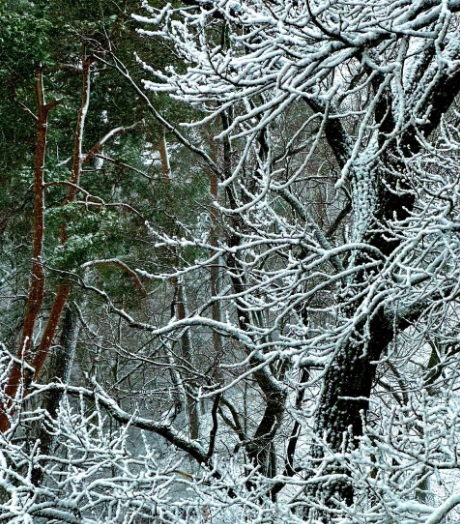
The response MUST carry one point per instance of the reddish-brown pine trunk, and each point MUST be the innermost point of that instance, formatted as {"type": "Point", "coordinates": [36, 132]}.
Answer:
{"type": "Point", "coordinates": [63, 290]}
{"type": "Point", "coordinates": [50, 329]}
{"type": "Point", "coordinates": [37, 284]}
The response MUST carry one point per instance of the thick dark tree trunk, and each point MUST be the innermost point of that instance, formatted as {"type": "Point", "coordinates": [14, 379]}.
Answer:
{"type": "Point", "coordinates": [345, 401]}
{"type": "Point", "coordinates": [348, 381]}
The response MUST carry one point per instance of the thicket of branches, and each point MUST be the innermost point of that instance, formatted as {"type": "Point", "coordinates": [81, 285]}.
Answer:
{"type": "Point", "coordinates": [240, 300]}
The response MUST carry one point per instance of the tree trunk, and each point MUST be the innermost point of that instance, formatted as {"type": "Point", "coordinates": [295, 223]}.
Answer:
{"type": "Point", "coordinates": [348, 381]}
{"type": "Point", "coordinates": [37, 284]}
{"type": "Point", "coordinates": [63, 360]}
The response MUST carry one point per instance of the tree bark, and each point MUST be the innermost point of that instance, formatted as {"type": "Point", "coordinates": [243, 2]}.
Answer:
{"type": "Point", "coordinates": [348, 381]}
{"type": "Point", "coordinates": [63, 360]}
{"type": "Point", "coordinates": [37, 284]}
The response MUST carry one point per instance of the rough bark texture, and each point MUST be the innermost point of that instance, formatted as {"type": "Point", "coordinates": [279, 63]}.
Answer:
{"type": "Point", "coordinates": [348, 380]}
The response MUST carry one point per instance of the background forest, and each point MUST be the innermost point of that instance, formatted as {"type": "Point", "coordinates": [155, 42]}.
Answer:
{"type": "Point", "coordinates": [229, 261]}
